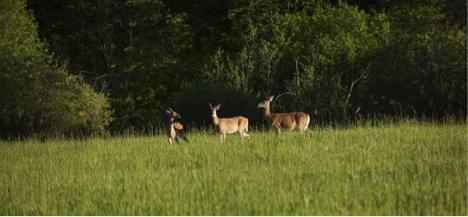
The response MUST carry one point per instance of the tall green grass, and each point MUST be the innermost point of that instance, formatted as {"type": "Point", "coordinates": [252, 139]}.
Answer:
{"type": "Point", "coordinates": [388, 169]}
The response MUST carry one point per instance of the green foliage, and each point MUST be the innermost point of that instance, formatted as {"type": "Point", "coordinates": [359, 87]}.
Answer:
{"type": "Point", "coordinates": [340, 60]}
{"type": "Point", "coordinates": [405, 168]}
{"type": "Point", "coordinates": [134, 50]}
{"type": "Point", "coordinates": [332, 58]}
{"type": "Point", "coordinates": [38, 97]}
{"type": "Point", "coordinates": [421, 67]}
{"type": "Point", "coordinates": [81, 108]}
{"type": "Point", "coordinates": [315, 57]}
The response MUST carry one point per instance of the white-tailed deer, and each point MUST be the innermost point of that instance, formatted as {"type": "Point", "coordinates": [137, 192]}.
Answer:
{"type": "Point", "coordinates": [285, 120]}
{"type": "Point", "coordinates": [229, 125]}
{"type": "Point", "coordinates": [175, 128]}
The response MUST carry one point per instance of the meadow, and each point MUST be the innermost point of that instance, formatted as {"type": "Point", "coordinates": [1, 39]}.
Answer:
{"type": "Point", "coordinates": [404, 168]}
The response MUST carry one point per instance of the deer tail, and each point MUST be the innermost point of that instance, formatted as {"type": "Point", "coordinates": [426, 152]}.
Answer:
{"type": "Point", "coordinates": [307, 122]}
{"type": "Point", "coordinates": [247, 126]}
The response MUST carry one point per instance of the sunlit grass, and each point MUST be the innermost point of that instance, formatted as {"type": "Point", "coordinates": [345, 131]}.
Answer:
{"type": "Point", "coordinates": [388, 169]}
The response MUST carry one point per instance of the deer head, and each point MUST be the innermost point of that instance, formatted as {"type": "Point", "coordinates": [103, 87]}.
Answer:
{"type": "Point", "coordinates": [214, 108]}
{"type": "Point", "coordinates": [266, 103]}
{"type": "Point", "coordinates": [172, 114]}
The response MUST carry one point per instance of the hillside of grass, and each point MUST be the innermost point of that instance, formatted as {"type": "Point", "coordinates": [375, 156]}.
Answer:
{"type": "Point", "coordinates": [388, 169]}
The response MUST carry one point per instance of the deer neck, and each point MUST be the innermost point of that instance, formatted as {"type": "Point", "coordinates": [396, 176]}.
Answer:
{"type": "Point", "coordinates": [171, 125]}
{"type": "Point", "coordinates": [267, 111]}
{"type": "Point", "coordinates": [171, 121]}
{"type": "Point", "coordinates": [215, 118]}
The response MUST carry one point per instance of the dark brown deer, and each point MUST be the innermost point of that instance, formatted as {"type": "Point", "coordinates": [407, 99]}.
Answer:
{"type": "Point", "coordinates": [175, 128]}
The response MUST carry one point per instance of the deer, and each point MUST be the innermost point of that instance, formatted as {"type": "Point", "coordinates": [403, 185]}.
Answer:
{"type": "Point", "coordinates": [175, 128]}
{"type": "Point", "coordinates": [289, 121]}
{"type": "Point", "coordinates": [229, 125]}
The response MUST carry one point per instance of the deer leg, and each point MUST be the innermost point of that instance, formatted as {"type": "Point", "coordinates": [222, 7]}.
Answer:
{"type": "Point", "coordinates": [301, 130]}
{"type": "Point", "coordinates": [170, 141]}
{"type": "Point", "coordinates": [246, 134]}
{"type": "Point", "coordinates": [278, 130]}
{"type": "Point", "coordinates": [184, 136]}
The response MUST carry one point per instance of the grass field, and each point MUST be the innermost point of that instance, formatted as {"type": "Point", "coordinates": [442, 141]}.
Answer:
{"type": "Point", "coordinates": [406, 168]}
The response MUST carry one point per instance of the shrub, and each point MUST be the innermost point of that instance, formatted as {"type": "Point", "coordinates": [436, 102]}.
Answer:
{"type": "Point", "coordinates": [37, 95]}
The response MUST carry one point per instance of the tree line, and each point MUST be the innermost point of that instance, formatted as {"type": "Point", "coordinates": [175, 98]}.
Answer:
{"type": "Point", "coordinates": [97, 66]}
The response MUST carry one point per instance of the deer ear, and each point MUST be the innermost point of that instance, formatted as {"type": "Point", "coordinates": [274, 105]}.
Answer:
{"type": "Point", "coordinates": [271, 98]}
{"type": "Point", "coordinates": [211, 106]}
{"type": "Point", "coordinates": [218, 106]}
{"type": "Point", "coordinates": [167, 111]}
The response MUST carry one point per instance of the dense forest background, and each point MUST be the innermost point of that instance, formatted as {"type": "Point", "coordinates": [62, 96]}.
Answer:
{"type": "Point", "coordinates": [76, 66]}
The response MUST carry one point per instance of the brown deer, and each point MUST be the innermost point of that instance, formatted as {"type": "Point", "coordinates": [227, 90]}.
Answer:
{"type": "Point", "coordinates": [229, 125]}
{"type": "Point", "coordinates": [285, 120]}
{"type": "Point", "coordinates": [175, 128]}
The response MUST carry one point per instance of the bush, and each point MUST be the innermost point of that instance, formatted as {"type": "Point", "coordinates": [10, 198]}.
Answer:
{"type": "Point", "coordinates": [38, 96]}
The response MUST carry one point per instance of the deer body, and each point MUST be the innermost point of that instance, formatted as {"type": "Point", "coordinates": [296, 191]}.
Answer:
{"type": "Point", "coordinates": [289, 121]}
{"type": "Point", "coordinates": [230, 125]}
{"type": "Point", "coordinates": [175, 128]}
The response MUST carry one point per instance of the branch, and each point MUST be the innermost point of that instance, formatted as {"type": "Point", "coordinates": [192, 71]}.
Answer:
{"type": "Point", "coordinates": [362, 76]}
